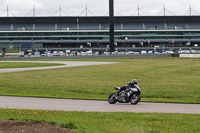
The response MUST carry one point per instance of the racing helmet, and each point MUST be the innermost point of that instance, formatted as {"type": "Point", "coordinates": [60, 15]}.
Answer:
{"type": "Point", "coordinates": [134, 81]}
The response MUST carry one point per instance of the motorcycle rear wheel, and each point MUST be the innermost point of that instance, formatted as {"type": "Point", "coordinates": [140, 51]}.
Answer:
{"type": "Point", "coordinates": [111, 99]}
{"type": "Point", "coordinates": [135, 99]}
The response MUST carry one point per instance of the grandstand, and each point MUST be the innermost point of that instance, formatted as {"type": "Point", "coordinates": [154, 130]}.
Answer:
{"type": "Point", "coordinates": [93, 32]}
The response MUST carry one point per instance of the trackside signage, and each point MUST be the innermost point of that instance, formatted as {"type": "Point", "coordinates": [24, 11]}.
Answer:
{"type": "Point", "coordinates": [190, 55]}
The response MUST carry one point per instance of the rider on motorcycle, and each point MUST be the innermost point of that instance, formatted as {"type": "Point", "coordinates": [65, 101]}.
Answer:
{"type": "Point", "coordinates": [131, 84]}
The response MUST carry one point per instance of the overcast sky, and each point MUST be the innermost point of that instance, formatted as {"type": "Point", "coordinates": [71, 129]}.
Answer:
{"type": "Point", "coordinates": [98, 7]}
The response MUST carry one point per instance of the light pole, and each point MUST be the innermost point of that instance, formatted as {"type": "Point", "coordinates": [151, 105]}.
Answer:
{"type": "Point", "coordinates": [111, 20]}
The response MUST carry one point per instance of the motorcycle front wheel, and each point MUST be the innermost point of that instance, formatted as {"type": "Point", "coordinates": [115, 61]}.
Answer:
{"type": "Point", "coordinates": [112, 99]}
{"type": "Point", "coordinates": [135, 99]}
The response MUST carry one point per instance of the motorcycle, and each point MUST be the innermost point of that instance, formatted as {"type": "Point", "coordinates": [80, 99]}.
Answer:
{"type": "Point", "coordinates": [131, 95]}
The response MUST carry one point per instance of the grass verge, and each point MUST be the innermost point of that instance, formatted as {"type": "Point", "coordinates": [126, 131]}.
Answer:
{"type": "Point", "coordinates": [82, 122]}
{"type": "Point", "coordinates": [4, 65]}
{"type": "Point", "coordinates": [8, 50]}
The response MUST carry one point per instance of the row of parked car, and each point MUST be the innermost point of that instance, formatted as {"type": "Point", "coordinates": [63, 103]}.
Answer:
{"type": "Point", "coordinates": [88, 53]}
{"type": "Point", "coordinates": [172, 52]}
{"type": "Point", "coordinates": [73, 53]}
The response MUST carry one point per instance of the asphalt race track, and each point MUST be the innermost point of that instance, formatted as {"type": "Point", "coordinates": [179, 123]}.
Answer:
{"type": "Point", "coordinates": [93, 105]}
{"type": "Point", "coordinates": [65, 64]}
{"type": "Point", "coordinates": [10, 102]}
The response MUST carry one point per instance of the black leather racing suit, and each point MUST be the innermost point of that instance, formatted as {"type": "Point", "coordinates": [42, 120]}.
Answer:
{"type": "Point", "coordinates": [124, 87]}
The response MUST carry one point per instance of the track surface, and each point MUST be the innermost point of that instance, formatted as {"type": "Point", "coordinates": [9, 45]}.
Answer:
{"type": "Point", "coordinates": [93, 106]}
{"type": "Point", "coordinates": [65, 64]}
{"type": "Point", "coordinates": [86, 105]}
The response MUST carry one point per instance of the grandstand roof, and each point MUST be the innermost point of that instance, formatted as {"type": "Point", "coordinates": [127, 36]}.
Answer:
{"type": "Point", "coordinates": [98, 19]}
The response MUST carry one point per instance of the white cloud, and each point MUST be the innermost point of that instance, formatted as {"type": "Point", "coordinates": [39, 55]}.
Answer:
{"type": "Point", "coordinates": [98, 7]}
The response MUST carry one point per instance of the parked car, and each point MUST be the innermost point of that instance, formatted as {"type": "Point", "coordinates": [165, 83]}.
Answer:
{"type": "Point", "coordinates": [106, 53]}
{"type": "Point", "coordinates": [157, 53]}
{"type": "Point", "coordinates": [143, 52]}
{"type": "Point", "coordinates": [61, 53]}
{"type": "Point", "coordinates": [184, 51]}
{"type": "Point", "coordinates": [150, 52]}
{"type": "Point", "coordinates": [49, 53]}
{"type": "Point", "coordinates": [136, 53]}
{"type": "Point", "coordinates": [89, 53]}
{"type": "Point", "coordinates": [55, 53]}
{"type": "Point", "coordinates": [130, 52]}
{"type": "Point", "coordinates": [169, 52]}
{"type": "Point", "coordinates": [83, 53]}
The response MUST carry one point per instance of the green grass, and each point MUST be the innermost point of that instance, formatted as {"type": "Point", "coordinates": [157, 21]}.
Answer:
{"type": "Point", "coordinates": [4, 65]}
{"type": "Point", "coordinates": [82, 122]}
{"type": "Point", "coordinates": [161, 80]}
{"type": "Point", "coordinates": [11, 50]}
